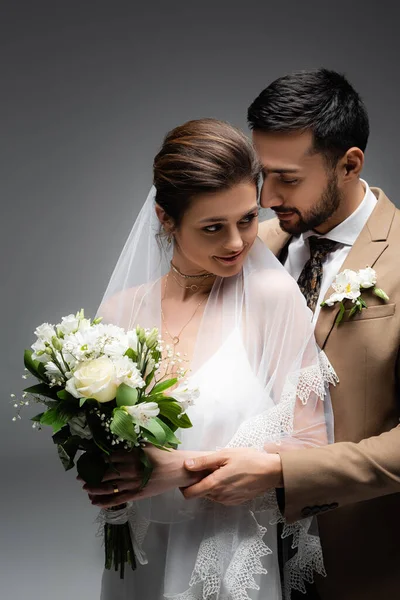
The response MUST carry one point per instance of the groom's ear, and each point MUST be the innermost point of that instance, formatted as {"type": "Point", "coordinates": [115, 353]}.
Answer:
{"type": "Point", "coordinates": [351, 164]}
{"type": "Point", "coordinates": [165, 220]}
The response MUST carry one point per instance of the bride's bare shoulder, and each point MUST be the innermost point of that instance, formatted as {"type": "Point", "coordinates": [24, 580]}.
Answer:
{"type": "Point", "coordinates": [273, 283]}
{"type": "Point", "coordinates": [121, 307]}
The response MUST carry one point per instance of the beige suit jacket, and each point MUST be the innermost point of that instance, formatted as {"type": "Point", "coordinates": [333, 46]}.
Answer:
{"type": "Point", "coordinates": [354, 485]}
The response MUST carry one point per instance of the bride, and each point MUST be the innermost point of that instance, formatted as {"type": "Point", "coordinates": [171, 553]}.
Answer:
{"type": "Point", "coordinates": [232, 317]}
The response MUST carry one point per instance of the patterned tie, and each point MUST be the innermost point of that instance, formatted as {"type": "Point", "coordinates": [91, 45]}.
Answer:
{"type": "Point", "coordinates": [311, 275]}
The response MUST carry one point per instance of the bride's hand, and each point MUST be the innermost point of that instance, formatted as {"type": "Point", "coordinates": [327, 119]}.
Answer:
{"type": "Point", "coordinates": [168, 473]}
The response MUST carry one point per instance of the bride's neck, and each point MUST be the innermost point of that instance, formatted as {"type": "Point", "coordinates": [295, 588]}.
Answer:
{"type": "Point", "coordinates": [186, 280]}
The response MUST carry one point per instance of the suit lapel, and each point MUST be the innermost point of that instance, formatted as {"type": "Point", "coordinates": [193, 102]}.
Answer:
{"type": "Point", "coordinates": [366, 250]}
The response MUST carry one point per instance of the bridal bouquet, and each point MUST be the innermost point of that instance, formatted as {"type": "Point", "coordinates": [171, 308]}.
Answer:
{"type": "Point", "coordinates": [101, 389]}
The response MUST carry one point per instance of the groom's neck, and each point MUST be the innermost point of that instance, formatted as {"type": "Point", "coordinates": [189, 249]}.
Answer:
{"type": "Point", "coordinates": [350, 201]}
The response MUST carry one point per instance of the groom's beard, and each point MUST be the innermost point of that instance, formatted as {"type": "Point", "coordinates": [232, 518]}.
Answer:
{"type": "Point", "coordinates": [326, 206]}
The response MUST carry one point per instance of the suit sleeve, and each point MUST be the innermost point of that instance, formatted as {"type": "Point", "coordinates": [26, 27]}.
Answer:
{"type": "Point", "coordinates": [320, 479]}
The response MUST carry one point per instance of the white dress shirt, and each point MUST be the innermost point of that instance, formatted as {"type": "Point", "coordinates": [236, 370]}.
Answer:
{"type": "Point", "coordinates": [345, 234]}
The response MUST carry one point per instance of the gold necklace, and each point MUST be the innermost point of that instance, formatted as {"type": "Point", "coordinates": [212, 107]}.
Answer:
{"type": "Point", "coordinates": [201, 276]}
{"type": "Point", "coordinates": [193, 287]}
{"type": "Point", "coordinates": [176, 338]}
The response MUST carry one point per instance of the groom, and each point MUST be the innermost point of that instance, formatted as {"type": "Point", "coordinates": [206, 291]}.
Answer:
{"type": "Point", "coordinates": [311, 130]}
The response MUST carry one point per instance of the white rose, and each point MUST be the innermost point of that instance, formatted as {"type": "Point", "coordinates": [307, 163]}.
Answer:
{"type": "Point", "coordinates": [143, 412]}
{"type": "Point", "coordinates": [367, 277]}
{"type": "Point", "coordinates": [347, 285]}
{"type": "Point", "coordinates": [94, 379]}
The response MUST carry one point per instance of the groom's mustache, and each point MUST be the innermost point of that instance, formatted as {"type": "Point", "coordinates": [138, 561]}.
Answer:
{"type": "Point", "coordinates": [286, 210]}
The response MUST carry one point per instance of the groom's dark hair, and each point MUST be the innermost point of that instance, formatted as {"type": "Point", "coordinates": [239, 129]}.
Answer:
{"type": "Point", "coordinates": [320, 101]}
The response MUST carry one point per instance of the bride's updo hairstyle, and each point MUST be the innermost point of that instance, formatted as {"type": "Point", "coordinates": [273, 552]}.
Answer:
{"type": "Point", "coordinates": [202, 156]}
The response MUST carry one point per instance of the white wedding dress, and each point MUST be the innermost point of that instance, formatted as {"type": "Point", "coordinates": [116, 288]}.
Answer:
{"type": "Point", "coordinates": [187, 552]}
{"type": "Point", "coordinates": [262, 379]}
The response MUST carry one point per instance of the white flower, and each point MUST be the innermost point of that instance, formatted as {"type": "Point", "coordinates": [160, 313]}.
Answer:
{"type": "Point", "coordinates": [84, 324]}
{"type": "Point", "coordinates": [83, 344]}
{"type": "Point", "coordinates": [94, 379]}
{"type": "Point", "coordinates": [367, 277]}
{"type": "Point", "coordinates": [127, 372]}
{"type": "Point", "coordinates": [45, 332]}
{"type": "Point", "coordinates": [185, 395]}
{"type": "Point", "coordinates": [132, 340]}
{"type": "Point", "coordinates": [143, 412]}
{"type": "Point", "coordinates": [69, 324]}
{"type": "Point", "coordinates": [53, 372]}
{"type": "Point", "coordinates": [39, 351]}
{"type": "Point", "coordinates": [116, 347]}
{"type": "Point", "coordinates": [346, 285]}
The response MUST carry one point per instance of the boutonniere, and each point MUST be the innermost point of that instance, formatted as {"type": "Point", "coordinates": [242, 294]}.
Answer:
{"type": "Point", "coordinates": [349, 285]}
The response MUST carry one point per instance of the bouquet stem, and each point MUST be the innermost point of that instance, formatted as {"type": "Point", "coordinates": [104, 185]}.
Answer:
{"type": "Point", "coordinates": [118, 544]}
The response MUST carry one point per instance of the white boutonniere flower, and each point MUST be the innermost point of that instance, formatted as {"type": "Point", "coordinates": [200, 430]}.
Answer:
{"type": "Point", "coordinates": [348, 285]}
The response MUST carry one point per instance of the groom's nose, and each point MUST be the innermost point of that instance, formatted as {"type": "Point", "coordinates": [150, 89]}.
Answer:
{"type": "Point", "coordinates": [269, 197]}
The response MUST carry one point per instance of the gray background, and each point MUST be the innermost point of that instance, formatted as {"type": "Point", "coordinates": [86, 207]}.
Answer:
{"type": "Point", "coordinates": [88, 90]}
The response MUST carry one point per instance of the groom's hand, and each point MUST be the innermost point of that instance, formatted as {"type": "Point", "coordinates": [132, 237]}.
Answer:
{"type": "Point", "coordinates": [238, 475]}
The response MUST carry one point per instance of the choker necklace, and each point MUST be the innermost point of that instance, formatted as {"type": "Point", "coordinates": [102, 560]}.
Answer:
{"type": "Point", "coordinates": [193, 287]}
{"type": "Point", "coordinates": [202, 276]}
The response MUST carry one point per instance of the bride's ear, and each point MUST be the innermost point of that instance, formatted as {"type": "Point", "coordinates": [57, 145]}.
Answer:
{"type": "Point", "coordinates": [165, 220]}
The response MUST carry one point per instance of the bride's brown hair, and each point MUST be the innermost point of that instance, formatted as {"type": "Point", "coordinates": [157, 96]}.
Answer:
{"type": "Point", "coordinates": [201, 156]}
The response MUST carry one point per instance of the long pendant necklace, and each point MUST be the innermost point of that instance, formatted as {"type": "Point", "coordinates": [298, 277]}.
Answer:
{"type": "Point", "coordinates": [176, 338]}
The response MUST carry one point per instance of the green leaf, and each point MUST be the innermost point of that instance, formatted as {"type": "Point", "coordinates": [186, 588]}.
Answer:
{"type": "Point", "coordinates": [156, 430]}
{"type": "Point", "coordinates": [57, 416]}
{"type": "Point", "coordinates": [341, 313]}
{"type": "Point", "coordinates": [122, 426]}
{"type": "Point", "coordinates": [66, 396]}
{"type": "Point", "coordinates": [163, 385]}
{"type": "Point", "coordinates": [82, 402]}
{"type": "Point", "coordinates": [126, 395]}
{"type": "Point", "coordinates": [37, 418]}
{"type": "Point", "coordinates": [170, 436]}
{"type": "Point", "coordinates": [67, 461]}
{"type": "Point", "coordinates": [66, 410]}
{"type": "Point", "coordinates": [362, 302]}
{"type": "Point", "coordinates": [52, 417]}
{"type": "Point", "coordinates": [98, 432]}
{"type": "Point", "coordinates": [151, 439]}
{"type": "Point", "coordinates": [147, 468]}
{"type": "Point", "coordinates": [171, 410]}
{"type": "Point", "coordinates": [62, 436]}
{"type": "Point", "coordinates": [132, 354]}
{"type": "Point", "coordinates": [91, 467]}
{"type": "Point", "coordinates": [42, 389]}
{"type": "Point", "coordinates": [68, 449]}
{"type": "Point", "coordinates": [353, 310]}
{"type": "Point", "coordinates": [33, 365]}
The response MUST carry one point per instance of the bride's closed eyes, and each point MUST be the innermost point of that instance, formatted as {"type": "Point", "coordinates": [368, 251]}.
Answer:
{"type": "Point", "coordinates": [244, 222]}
